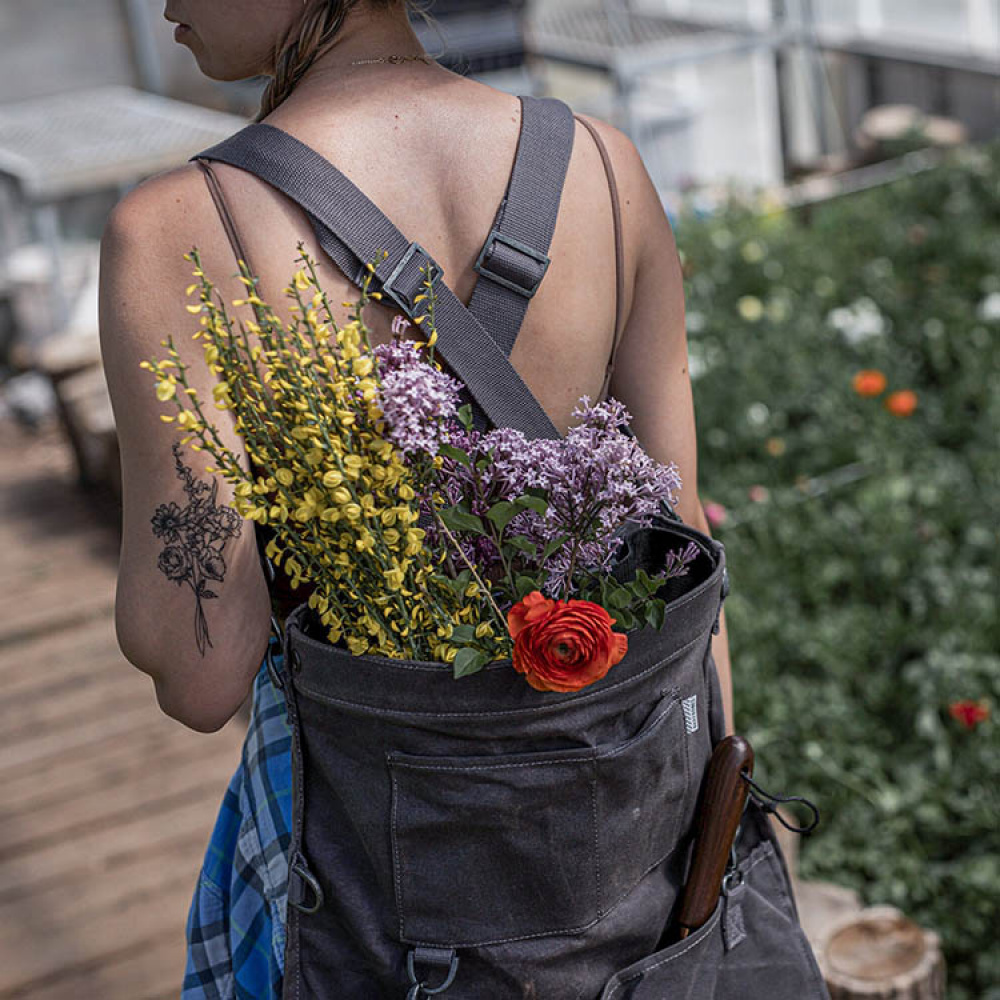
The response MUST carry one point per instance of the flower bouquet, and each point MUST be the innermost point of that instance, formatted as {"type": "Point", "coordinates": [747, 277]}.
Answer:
{"type": "Point", "coordinates": [421, 536]}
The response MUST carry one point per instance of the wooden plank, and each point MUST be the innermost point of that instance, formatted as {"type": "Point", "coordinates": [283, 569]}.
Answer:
{"type": "Point", "coordinates": [118, 761]}
{"type": "Point", "coordinates": [49, 748]}
{"type": "Point", "coordinates": [60, 908]}
{"type": "Point", "coordinates": [152, 972]}
{"type": "Point", "coordinates": [69, 710]}
{"type": "Point", "coordinates": [127, 931]}
{"type": "Point", "coordinates": [161, 788]}
{"type": "Point", "coordinates": [58, 556]}
{"type": "Point", "coordinates": [99, 855]}
{"type": "Point", "coordinates": [82, 661]}
{"type": "Point", "coordinates": [37, 605]}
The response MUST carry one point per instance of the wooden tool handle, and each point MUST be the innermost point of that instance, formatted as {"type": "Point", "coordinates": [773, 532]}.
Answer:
{"type": "Point", "coordinates": [720, 808]}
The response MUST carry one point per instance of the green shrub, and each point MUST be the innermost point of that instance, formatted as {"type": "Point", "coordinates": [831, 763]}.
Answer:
{"type": "Point", "coordinates": [863, 545]}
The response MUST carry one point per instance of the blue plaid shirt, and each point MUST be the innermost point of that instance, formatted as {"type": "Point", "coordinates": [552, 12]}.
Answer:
{"type": "Point", "coordinates": [236, 924]}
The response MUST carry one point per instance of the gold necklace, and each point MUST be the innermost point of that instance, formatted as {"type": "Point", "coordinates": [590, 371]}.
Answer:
{"type": "Point", "coordinates": [392, 59]}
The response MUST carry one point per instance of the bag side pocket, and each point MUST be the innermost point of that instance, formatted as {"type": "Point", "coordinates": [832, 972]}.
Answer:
{"type": "Point", "coordinates": [686, 970]}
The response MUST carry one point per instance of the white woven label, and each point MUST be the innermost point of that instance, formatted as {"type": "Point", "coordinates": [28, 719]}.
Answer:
{"type": "Point", "coordinates": [690, 709]}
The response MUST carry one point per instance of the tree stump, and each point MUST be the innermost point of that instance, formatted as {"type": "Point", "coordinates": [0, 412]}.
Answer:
{"type": "Point", "coordinates": [878, 954]}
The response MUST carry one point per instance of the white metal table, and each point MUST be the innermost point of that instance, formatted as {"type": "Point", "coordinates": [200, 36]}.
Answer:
{"type": "Point", "coordinates": [90, 140]}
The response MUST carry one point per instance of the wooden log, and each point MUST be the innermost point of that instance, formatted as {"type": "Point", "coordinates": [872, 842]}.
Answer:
{"type": "Point", "coordinates": [879, 954]}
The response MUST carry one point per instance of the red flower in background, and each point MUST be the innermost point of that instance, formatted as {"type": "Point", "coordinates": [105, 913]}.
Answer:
{"type": "Point", "coordinates": [902, 403]}
{"type": "Point", "coordinates": [563, 645]}
{"type": "Point", "coordinates": [869, 382]}
{"type": "Point", "coordinates": [969, 713]}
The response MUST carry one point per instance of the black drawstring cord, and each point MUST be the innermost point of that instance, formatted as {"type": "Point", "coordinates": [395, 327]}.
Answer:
{"type": "Point", "coordinates": [769, 803]}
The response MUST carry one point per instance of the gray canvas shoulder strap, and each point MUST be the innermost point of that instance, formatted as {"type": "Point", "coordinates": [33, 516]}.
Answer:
{"type": "Point", "coordinates": [514, 257]}
{"type": "Point", "coordinates": [353, 231]}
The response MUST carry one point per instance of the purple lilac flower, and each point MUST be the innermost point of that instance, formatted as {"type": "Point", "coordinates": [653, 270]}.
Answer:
{"type": "Point", "coordinates": [595, 479]}
{"type": "Point", "coordinates": [417, 399]}
{"type": "Point", "coordinates": [398, 354]}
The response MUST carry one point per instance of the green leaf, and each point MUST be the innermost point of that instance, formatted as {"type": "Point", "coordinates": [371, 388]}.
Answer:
{"type": "Point", "coordinates": [626, 619]}
{"type": "Point", "coordinates": [525, 585]}
{"type": "Point", "coordinates": [457, 519]}
{"type": "Point", "coordinates": [450, 451]}
{"type": "Point", "coordinates": [461, 582]}
{"type": "Point", "coordinates": [468, 661]}
{"type": "Point", "coordinates": [553, 546]}
{"type": "Point", "coordinates": [656, 613]}
{"type": "Point", "coordinates": [645, 585]}
{"type": "Point", "coordinates": [502, 513]}
{"type": "Point", "coordinates": [463, 633]}
{"type": "Point", "coordinates": [531, 502]}
{"type": "Point", "coordinates": [618, 597]}
{"type": "Point", "coordinates": [465, 416]}
{"type": "Point", "coordinates": [522, 544]}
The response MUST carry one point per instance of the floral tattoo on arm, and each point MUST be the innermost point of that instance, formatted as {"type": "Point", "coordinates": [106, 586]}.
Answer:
{"type": "Point", "coordinates": [195, 537]}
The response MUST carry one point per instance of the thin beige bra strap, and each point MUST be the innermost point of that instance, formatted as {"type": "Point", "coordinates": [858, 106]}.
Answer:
{"type": "Point", "coordinates": [228, 223]}
{"type": "Point", "coordinates": [619, 254]}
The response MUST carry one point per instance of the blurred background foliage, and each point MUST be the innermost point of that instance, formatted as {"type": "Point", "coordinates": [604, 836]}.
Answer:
{"type": "Point", "coordinates": [861, 532]}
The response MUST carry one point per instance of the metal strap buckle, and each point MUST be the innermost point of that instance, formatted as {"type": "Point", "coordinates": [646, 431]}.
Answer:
{"type": "Point", "coordinates": [497, 237]}
{"type": "Point", "coordinates": [434, 272]}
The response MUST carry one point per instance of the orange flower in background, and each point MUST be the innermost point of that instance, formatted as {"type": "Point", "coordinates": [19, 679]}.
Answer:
{"type": "Point", "coordinates": [563, 645]}
{"type": "Point", "coordinates": [969, 713]}
{"type": "Point", "coordinates": [869, 382]}
{"type": "Point", "coordinates": [902, 403]}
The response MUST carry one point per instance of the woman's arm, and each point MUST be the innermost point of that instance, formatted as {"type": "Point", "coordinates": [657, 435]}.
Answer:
{"type": "Point", "coordinates": [651, 368]}
{"type": "Point", "coordinates": [192, 608]}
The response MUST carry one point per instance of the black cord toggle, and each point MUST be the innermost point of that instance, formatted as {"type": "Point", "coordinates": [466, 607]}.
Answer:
{"type": "Point", "coordinates": [769, 803]}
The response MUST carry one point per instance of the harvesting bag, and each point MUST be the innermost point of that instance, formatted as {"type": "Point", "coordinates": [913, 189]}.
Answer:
{"type": "Point", "coordinates": [478, 838]}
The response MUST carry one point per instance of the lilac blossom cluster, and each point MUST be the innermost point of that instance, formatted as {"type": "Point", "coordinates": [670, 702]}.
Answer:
{"type": "Point", "coordinates": [594, 480]}
{"type": "Point", "coordinates": [416, 399]}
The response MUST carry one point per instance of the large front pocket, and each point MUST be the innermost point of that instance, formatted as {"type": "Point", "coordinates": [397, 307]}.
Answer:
{"type": "Point", "coordinates": [496, 848]}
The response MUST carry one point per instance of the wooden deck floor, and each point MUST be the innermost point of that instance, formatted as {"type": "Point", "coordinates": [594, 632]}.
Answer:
{"type": "Point", "coordinates": [107, 803]}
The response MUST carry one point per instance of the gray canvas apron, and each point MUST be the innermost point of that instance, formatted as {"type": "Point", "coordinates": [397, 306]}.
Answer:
{"type": "Point", "coordinates": [477, 838]}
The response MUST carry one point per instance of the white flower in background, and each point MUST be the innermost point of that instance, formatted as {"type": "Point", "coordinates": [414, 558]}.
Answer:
{"type": "Point", "coordinates": [825, 286]}
{"type": "Point", "coordinates": [933, 327]}
{"type": "Point", "coordinates": [752, 251]}
{"type": "Point", "coordinates": [989, 308]}
{"type": "Point", "coordinates": [722, 239]}
{"type": "Point", "coordinates": [859, 321]}
{"type": "Point", "coordinates": [773, 268]}
{"type": "Point", "coordinates": [778, 309]}
{"type": "Point", "coordinates": [702, 358]}
{"type": "Point", "coordinates": [750, 308]}
{"type": "Point", "coordinates": [695, 321]}
{"type": "Point", "coordinates": [757, 414]}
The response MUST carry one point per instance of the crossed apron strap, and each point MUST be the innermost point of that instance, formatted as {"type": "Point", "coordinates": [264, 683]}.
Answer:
{"type": "Point", "coordinates": [352, 230]}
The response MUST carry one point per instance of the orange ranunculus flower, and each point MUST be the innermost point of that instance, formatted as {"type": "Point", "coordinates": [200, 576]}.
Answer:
{"type": "Point", "coordinates": [563, 645]}
{"type": "Point", "coordinates": [868, 382]}
{"type": "Point", "coordinates": [902, 403]}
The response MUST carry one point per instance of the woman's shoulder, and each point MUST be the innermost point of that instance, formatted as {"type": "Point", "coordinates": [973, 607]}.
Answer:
{"type": "Point", "coordinates": [165, 206]}
{"type": "Point", "coordinates": [150, 233]}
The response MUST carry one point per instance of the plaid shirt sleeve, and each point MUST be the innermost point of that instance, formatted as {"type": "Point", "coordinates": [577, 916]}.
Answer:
{"type": "Point", "coordinates": [236, 923]}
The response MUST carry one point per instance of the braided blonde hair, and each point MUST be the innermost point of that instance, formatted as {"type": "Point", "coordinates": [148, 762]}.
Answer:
{"type": "Point", "coordinates": [315, 33]}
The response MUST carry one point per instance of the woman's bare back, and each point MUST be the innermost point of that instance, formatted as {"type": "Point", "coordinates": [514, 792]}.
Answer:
{"type": "Point", "coordinates": [437, 163]}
